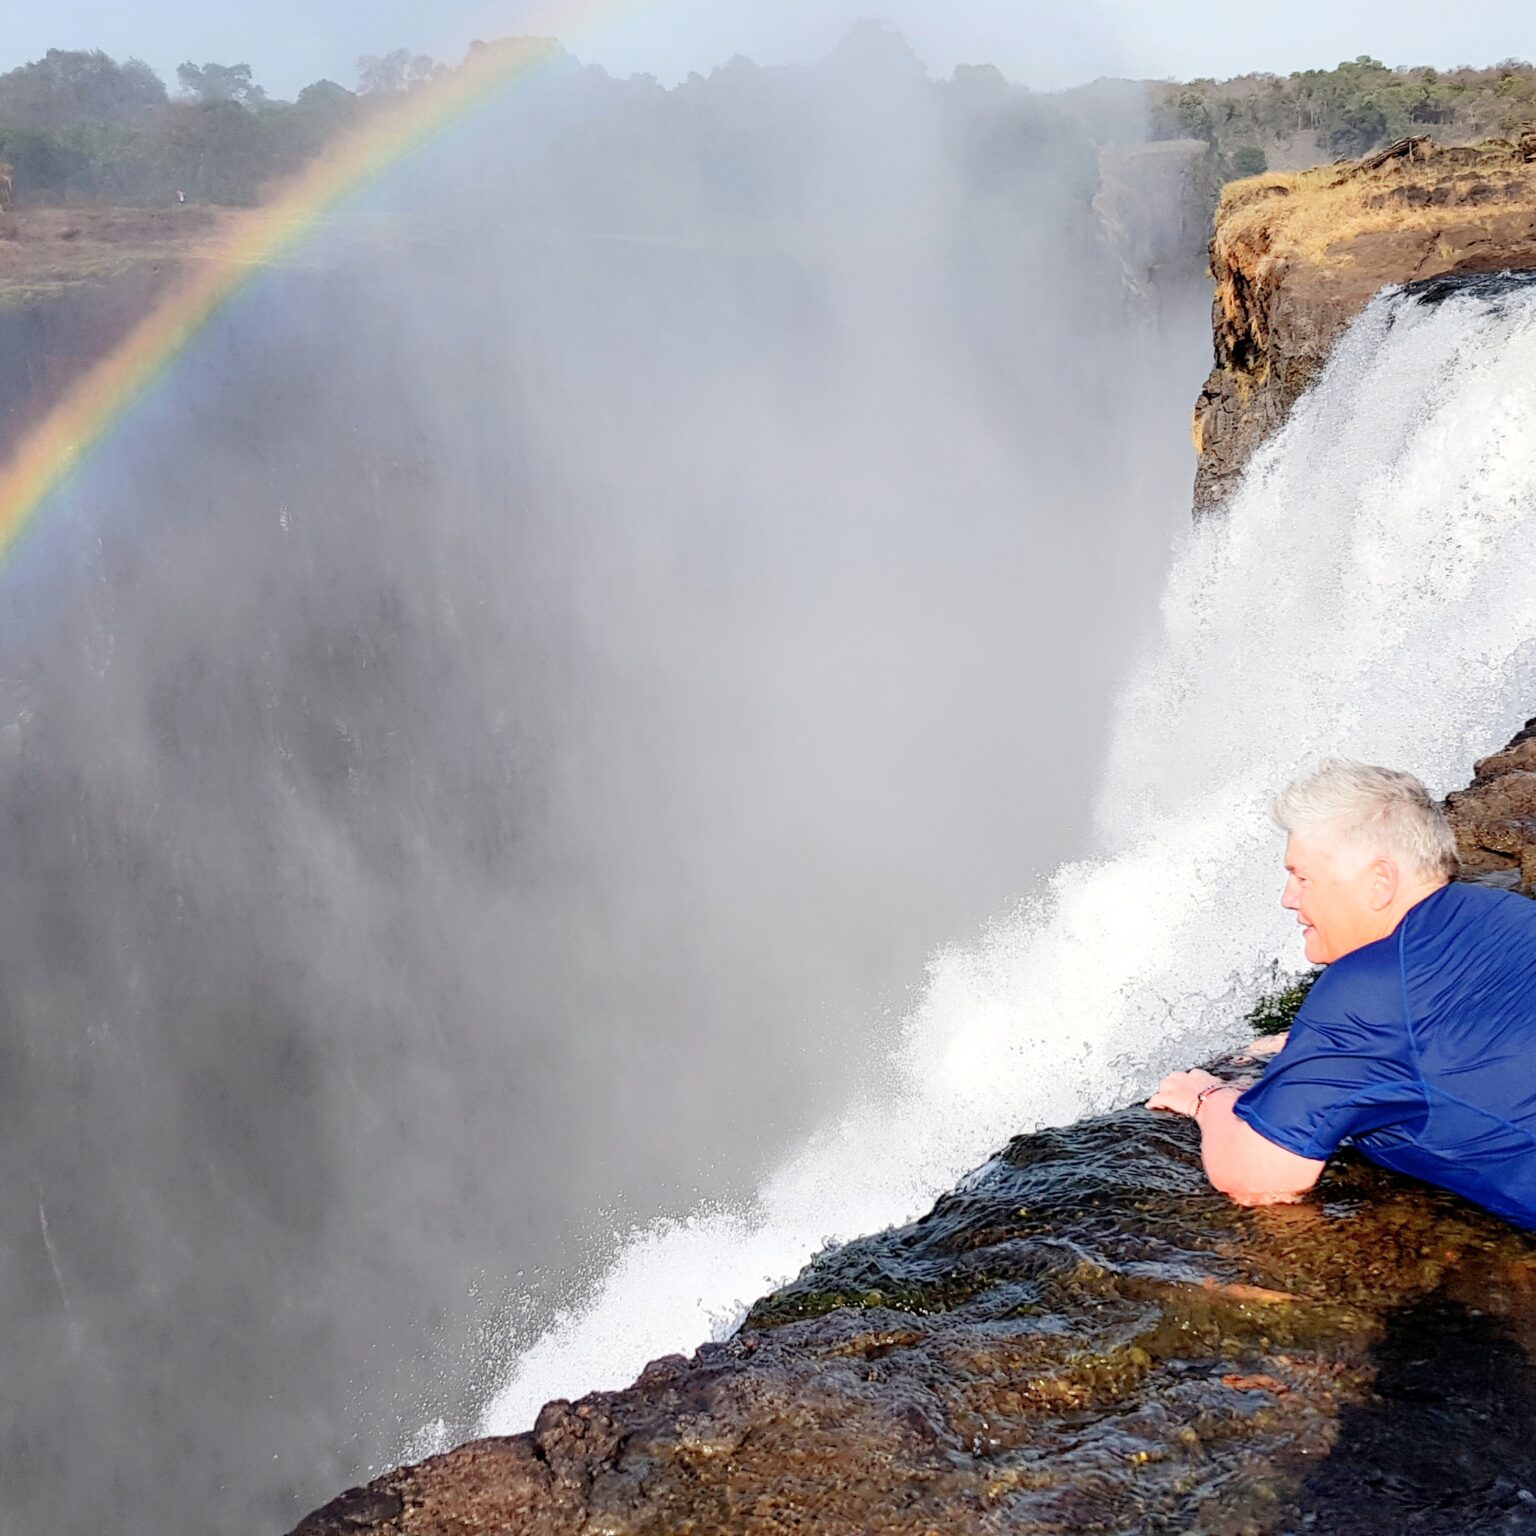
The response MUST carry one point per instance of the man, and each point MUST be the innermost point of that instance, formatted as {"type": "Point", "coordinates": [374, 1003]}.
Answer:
{"type": "Point", "coordinates": [1418, 1043]}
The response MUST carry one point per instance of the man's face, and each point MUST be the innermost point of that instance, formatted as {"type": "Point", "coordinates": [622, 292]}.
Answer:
{"type": "Point", "coordinates": [1335, 894]}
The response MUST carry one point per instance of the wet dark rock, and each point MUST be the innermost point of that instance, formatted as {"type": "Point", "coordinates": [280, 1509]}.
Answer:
{"type": "Point", "coordinates": [46, 344]}
{"type": "Point", "coordinates": [1155, 203]}
{"type": "Point", "coordinates": [1082, 1337]}
{"type": "Point", "coordinates": [358, 1509]}
{"type": "Point", "coordinates": [1454, 1385]}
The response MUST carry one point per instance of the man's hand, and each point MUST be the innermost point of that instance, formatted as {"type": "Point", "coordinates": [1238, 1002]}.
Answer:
{"type": "Point", "coordinates": [1178, 1091]}
{"type": "Point", "coordinates": [1241, 1163]}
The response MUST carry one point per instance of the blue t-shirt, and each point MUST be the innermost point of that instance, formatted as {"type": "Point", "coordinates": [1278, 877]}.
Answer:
{"type": "Point", "coordinates": [1421, 1050]}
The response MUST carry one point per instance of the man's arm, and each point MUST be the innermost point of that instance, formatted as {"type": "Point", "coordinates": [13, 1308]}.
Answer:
{"type": "Point", "coordinates": [1242, 1164]}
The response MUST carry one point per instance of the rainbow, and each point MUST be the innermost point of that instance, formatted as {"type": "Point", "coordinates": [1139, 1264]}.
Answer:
{"type": "Point", "coordinates": [52, 452]}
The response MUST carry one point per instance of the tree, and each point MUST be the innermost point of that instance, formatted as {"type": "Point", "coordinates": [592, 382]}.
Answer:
{"type": "Point", "coordinates": [79, 86]}
{"type": "Point", "coordinates": [872, 50]}
{"type": "Point", "coordinates": [1359, 126]}
{"type": "Point", "coordinates": [392, 73]}
{"type": "Point", "coordinates": [292, 134]}
{"type": "Point", "coordinates": [326, 96]}
{"type": "Point", "coordinates": [1193, 115]}
{"type": "Point", "coordinates": [45, 163]}
{"type": "Point", "coordinates": [1250, 160]}
{"type": "Point", "coordinates": [212, 83]}
{"type": "Point", "coordinates": [214, 149]}
{"type": "Point", "coordinates": [1429, 106]}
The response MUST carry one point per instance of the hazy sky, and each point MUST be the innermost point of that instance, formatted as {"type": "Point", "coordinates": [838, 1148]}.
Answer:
{"type": "Point", "coordinates": [1040, 42]}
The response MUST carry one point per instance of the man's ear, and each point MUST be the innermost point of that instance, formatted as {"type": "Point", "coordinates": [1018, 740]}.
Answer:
{"type": "Point", "coordinates": [1385, 880]}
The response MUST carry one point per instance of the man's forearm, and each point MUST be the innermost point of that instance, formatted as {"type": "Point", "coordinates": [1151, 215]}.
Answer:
{"type": "Point", "coordinates": [1221, 1140]}
{"type": "Point", "coordinates": [1240, 1162]}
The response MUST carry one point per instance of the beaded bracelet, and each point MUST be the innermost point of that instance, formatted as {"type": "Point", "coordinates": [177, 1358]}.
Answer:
{"type": "Point", "coordinates": [1204, 1093]}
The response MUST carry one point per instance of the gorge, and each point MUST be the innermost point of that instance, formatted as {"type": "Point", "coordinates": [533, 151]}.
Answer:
{"type": "Point", "coordinates": [493, 733]}
{"type": "Point", "coordinates": [490, 738]}
{"type": "Point", "coordinates": [1080, 1335]}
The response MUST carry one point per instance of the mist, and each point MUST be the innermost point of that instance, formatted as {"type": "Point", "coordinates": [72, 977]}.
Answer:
{"type": "Point", "coordinates": [488, 745]}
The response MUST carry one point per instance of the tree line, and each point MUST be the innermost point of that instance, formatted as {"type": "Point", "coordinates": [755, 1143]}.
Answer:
{"type": "Point", "coordinates": [1345, 112]}
{"type": "Point", "coordinates": [78, 126]}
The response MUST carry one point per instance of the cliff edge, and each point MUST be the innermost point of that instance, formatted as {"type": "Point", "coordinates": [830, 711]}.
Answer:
{"type": "Point", "coordinates": [1296, 257]}
{"type": "Point", "coordinates": [1081, 1337]}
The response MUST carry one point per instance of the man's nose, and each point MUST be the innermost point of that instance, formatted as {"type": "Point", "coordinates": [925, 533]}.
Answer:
{"type": "Point", "coordinates": [1289, 897]}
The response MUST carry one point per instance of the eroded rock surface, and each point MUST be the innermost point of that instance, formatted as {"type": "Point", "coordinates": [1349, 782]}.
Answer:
{"type": "Point", "coordinates": [1495, 817]}
{"type": "Point", "coordinates": [1082, 1337]}
{"type": "Point", "coordinates": [1155, 203]}
{"type": "Point", "coordinates": [1297, 257]}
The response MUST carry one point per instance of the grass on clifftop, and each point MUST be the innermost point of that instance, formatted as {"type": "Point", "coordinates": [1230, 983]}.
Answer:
{"type": "Point", "coordinates": [44, 251]}
{"type": "Point", "coordinates": [1314, 215]}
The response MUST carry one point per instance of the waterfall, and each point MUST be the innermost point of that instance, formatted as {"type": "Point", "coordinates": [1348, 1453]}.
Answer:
{"type": "Point", "coordinates": [1367, 591]}
{"type": "Point", "coordinates": [489, 737]}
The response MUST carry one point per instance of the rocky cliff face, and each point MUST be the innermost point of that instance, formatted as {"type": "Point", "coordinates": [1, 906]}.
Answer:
{"type": "Point", "coordinates": [50, 342]}
{"type": "Point", "coordinates": [1495, 816]}
{"type": "Point", "coordinates": [1297, 257]}
{"type": "Point", "coordinates": [1082, 1338]}
{"type": "Point", "coordinates": [1154, 204]}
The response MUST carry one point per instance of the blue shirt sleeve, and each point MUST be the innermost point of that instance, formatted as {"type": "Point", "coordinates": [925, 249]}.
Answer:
{"type": "Point", "coordinates": [1346, 1071]}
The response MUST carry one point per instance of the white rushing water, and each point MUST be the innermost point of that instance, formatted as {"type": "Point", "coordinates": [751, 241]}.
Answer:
{"type": "Point", "coordinates": [1371, 591]}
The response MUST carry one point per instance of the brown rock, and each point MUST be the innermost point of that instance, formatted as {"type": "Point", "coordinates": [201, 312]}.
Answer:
{"type": "Point", "coordinates": [358, 1509]}
{"type": "Point", "coordinates": [1087, 1338]}
{"type": "Point", "coordinates": [1495, 817]}
{"type": "Point", "coordinates": [1297, 257]}
{"type": "Point", "coordinates": [1255, 1383]}
{"type": "Point", "coordinates": [1417, 148]}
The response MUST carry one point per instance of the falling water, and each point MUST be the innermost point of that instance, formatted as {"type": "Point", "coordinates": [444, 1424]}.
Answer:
{"type": "Point", "coordinates": [1367, 591]}
{"type": "Point", "coordinates": [485, 746]}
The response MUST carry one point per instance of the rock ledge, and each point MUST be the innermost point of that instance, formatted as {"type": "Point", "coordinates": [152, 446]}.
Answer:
{"type": "Point", "coordinates": [1296, 257]}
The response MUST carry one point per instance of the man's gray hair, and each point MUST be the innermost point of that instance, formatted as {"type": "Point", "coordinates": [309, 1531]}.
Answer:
{"type": "Point", "coordinates": [1377, 810]}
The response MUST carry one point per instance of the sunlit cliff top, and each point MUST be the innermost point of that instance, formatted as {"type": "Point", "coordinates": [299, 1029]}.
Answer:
{"type": "Point", "coordinates": [1316, 215]}
{"type": "Point", "coordinates": [1297, 256]}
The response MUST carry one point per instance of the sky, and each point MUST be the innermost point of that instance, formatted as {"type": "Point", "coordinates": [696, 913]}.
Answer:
{"type": "Point", "coordinates": [1047, 44]}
